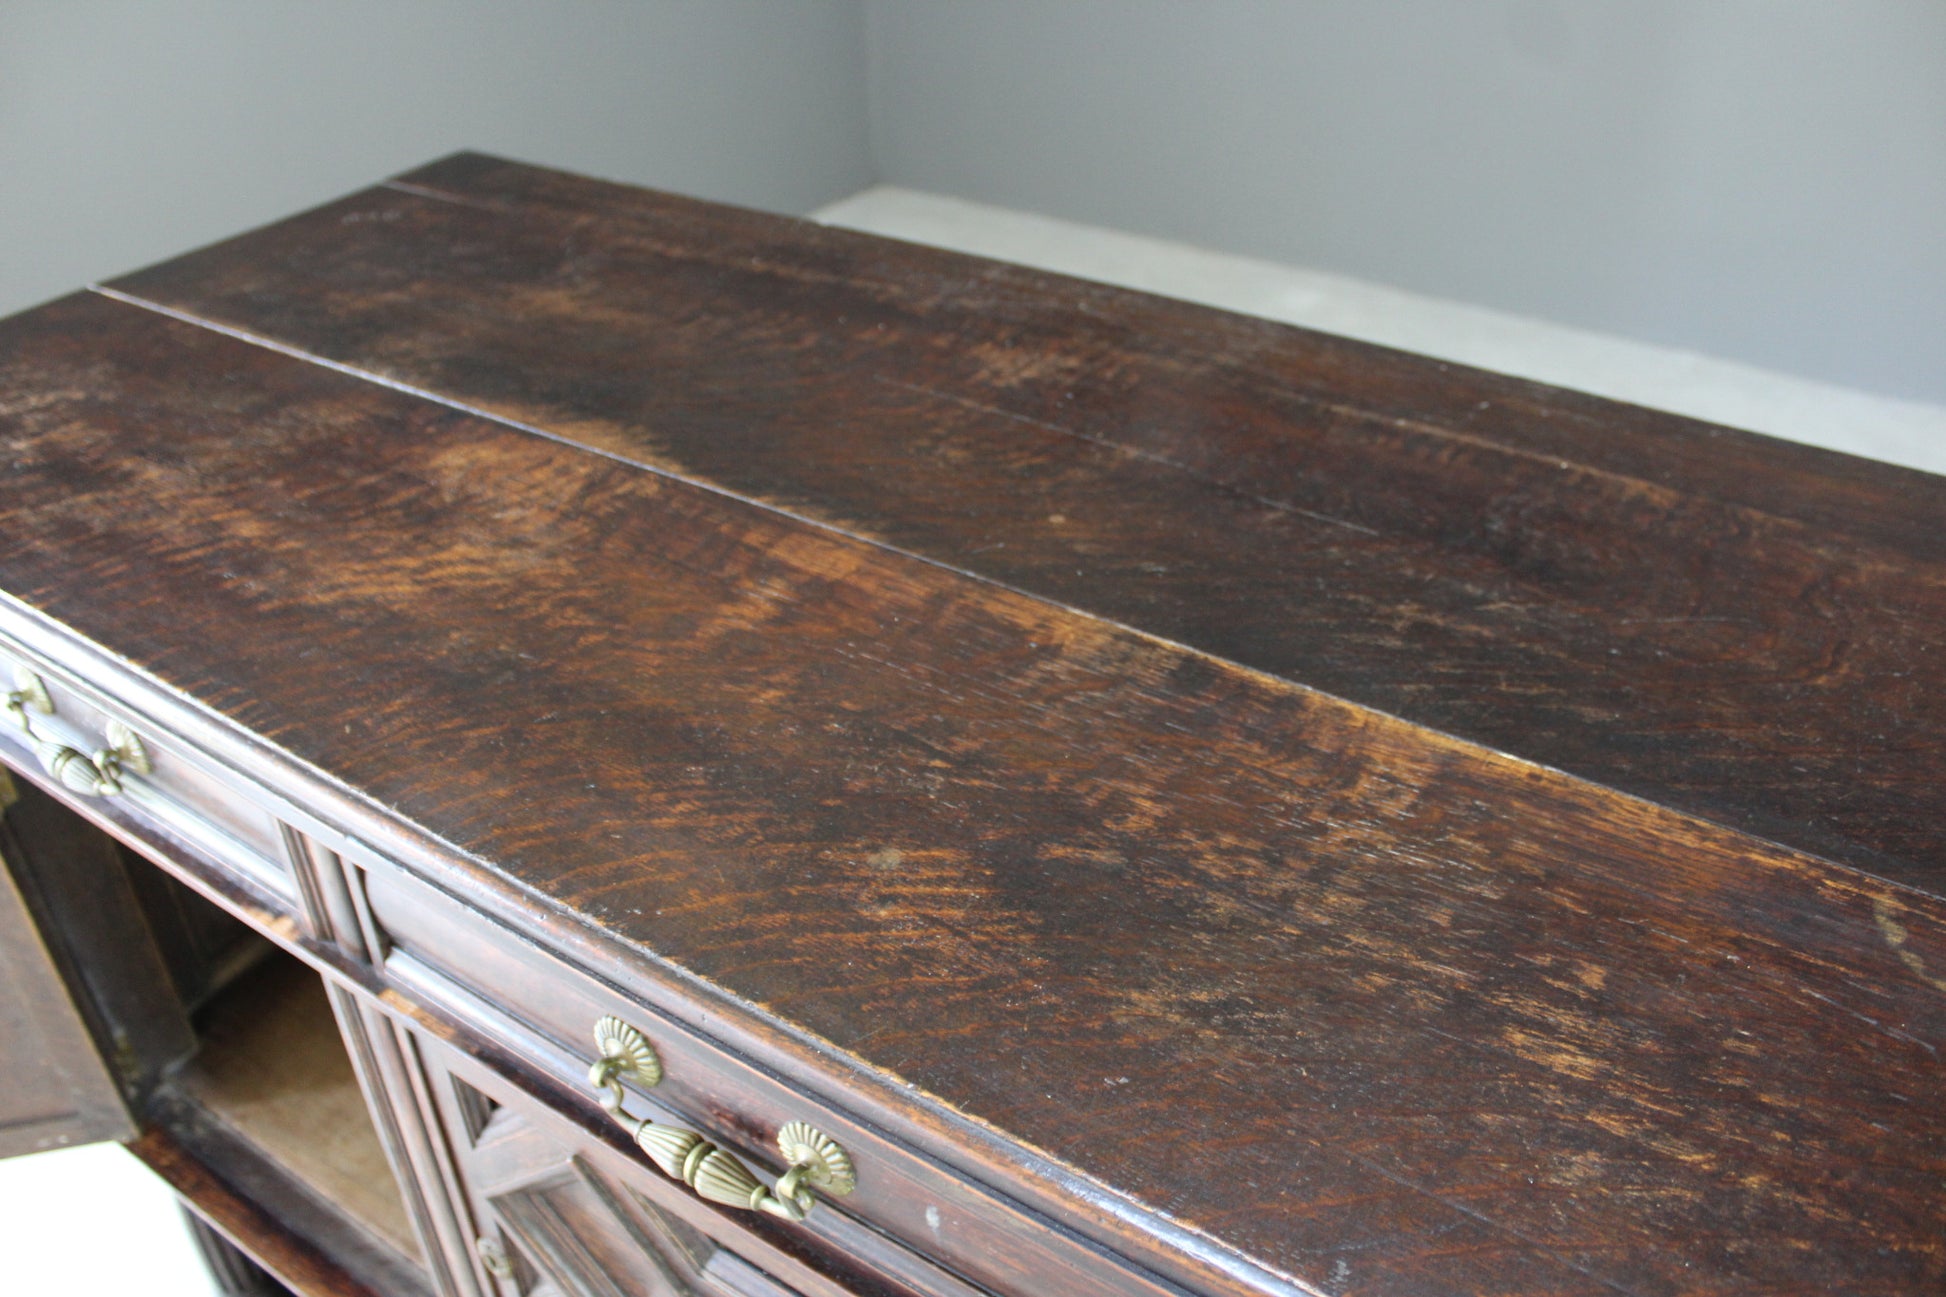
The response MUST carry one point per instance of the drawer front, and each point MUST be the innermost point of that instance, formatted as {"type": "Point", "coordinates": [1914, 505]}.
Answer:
{"type": "Point", "coordinates": [922, 1226]}
{"type": "Point", "coordinates": [550, 1211]}
{"type": "Point", "coordinates": [59, 727]}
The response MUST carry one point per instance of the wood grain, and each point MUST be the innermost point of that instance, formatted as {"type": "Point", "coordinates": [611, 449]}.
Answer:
{"type": "Point", "coordinates": [273, 1070]}
{"type": "Point", "coordinates": [83, 899]}
{"type": "Point", "coordinates": [294, 1260]}
{"type": "Point", "coordinates": [1382, 1010]}
{"type": "Point", "coordinates": [236, 1275]}
{"type": "Point", "coordinates": [59, 1089]}
{"type": "Point", "coordinates": [1725, 624]}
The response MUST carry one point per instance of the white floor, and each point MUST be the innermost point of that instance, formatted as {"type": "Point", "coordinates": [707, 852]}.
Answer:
{"type": "Point", "coordinates": [92, 1222]}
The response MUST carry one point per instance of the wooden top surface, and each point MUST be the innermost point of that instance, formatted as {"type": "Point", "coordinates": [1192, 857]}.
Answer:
{"type": "Point", "coordinates": [962, 709]}
{"type": "Point", "coordinates": [1732, 625]}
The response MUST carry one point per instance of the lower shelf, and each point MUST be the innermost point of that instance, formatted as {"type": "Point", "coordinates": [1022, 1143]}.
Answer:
{"type": "Point", "coordinates": [265, 1133]}
{"type": "Point", "coordinates": [295, 1260]}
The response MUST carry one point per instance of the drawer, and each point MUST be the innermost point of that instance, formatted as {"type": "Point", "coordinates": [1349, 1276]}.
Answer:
{"type": "Point", "coordinates": [161, 784]}
{"type": "Point", "coordinates": [916, 1223]}
{"type": "Point", "coordinates": [549, 1209]}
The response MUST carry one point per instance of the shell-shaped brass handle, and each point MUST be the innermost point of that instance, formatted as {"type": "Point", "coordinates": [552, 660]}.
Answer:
{"type": "Point", "coordinates": [99, 775]}
{"type": "Point", "coordinates": [621, 1053]}
{"type": "Point", "coordinates": [814, 1159]}
{"type": "Point", "coordinates": [75, 771]}
{"type": "Point", "coordinates": [30, 694]}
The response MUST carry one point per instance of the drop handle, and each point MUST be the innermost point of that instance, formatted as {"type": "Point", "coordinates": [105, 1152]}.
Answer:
{"type": "Point", "coordinates": [814, 1160]}
{"type": "Point", "coordinates": [99, 775]}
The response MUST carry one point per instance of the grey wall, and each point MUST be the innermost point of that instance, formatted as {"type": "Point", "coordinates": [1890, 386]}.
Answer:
{"type": "Point", "coordinates": [1760, 179]}
{"type": "Point", "coordinates": [133, 129]}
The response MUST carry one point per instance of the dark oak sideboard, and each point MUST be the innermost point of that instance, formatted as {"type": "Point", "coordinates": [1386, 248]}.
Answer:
{"type": "Point", "coordinates": [572, 741]}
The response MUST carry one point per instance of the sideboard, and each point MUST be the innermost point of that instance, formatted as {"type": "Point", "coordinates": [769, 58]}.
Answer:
{"type": "Point", "coordinates": [568, 740]}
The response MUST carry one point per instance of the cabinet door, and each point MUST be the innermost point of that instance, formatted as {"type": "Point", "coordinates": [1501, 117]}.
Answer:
{"type": "Point", "coordinates": [55, 1089]}
{"type": "Point", "coordinates": [550, 1223]}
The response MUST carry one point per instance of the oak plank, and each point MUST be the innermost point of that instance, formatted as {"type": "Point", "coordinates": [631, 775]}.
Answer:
{"type": "Point", "coordinates": [1375, 1007]}
{"type": "Point", "coordinates": [1723, 623]}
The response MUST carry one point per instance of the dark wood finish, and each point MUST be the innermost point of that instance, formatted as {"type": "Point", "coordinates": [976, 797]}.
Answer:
{"type": "Point", "coordinates": [268, 1092]}
{"type": "Point", "coordinates": [77, 885]}
{"type": "Point", "coordinates": [182, 801]}
{"type": "Point", "coordinates": [271, 1106]}
{"type": "Point", "coordinates": [1734, 626]}
{"type": "Point", "coordinates": [546, 1213]}
{"type": "Point", "coordinates": [243, 1217]}
{"type": "Point", "coordinates": [235, 1273]}
{"type": "Point", "coordinates": [1077, 882]}
{"type": "Point", "coordinates": [561, 1189]}
{"type": "Point", "coordinates": [269, 1095]}
{"type": "Point", "coordinates": [203, 947]}
{"type": "Point", "coordinates": [272, 1069]}
{"type": "Point", "coordinates": [536, 1009]}
{"type": "Point", "coordinates": [187, 794]}
{"type": "Point", "coordinates": [58, 1091]}
{"type": "Point", "coordinates": [396, 1087]}
{"type": "Point", "coordinates": [283, 1202]}
{"type": "Point", "coordinates": [402, 1128]}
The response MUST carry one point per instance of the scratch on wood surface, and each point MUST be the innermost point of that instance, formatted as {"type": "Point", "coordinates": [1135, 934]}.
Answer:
{"type": "Point", "coordinates": [1894, 1032]}
{"type": "Point", "coordinates": [1895, 935]}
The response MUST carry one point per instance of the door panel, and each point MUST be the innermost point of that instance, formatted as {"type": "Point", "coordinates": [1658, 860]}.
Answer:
{"type": "Point", "coordinates": [55, 1090]}
{"type": "Point", "coordinates": [552, 1224]}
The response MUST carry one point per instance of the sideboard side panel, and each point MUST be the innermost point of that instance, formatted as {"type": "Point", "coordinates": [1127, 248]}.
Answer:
{"type": "Point", "coordinates": [55, 1089]}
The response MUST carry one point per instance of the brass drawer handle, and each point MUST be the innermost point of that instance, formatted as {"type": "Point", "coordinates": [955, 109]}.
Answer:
{"type": "Point", "coordinates": [813, 1157]}
{"type": "Point", "coordinates": [99, 775]}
